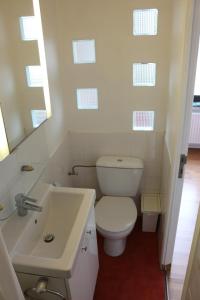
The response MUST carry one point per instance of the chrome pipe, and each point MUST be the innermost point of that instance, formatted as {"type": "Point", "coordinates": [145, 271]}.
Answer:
{"type": "Point", "coordinates": [41, 288]}
{"type": "Point", "coordinates": [73, 172]}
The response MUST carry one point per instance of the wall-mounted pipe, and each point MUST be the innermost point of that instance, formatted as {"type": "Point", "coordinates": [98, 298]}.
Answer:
{"type": "Point", "coordinates": [73, 172]}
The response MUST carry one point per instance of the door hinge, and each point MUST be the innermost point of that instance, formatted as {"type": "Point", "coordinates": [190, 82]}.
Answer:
{"type": "Point", "coordinates": [183, 161]}
{"type": "Point", "coordinates": [166, 268]}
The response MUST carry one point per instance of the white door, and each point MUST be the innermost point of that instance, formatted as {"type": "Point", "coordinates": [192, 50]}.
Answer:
{"type": "Point", "coordinates": [183, 138]}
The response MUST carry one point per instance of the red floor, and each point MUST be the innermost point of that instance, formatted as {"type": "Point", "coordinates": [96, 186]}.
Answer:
{"type": "Point", "coordinates": [135, 275]}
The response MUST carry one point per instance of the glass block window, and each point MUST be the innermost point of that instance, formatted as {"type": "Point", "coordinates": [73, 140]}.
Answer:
{"type": "Point", "coordinates": [38, 117]}
{"type": "Point", "coordinates": [145, 21]}
{"type": "Point", "coordinates": [87, 98]}
{"type": "Point", "coordinates": [28, 28]}
{"type": "Point", "coordinates": [34, 76]}
{"type": "Point", "coordinates": [143, 120]}
{"type": "Point", "coordinates": [144, 74]}
{"type": "Point", "coordinates": [84, 51]}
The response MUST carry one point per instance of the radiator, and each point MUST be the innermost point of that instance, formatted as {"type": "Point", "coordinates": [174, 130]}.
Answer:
{"type": "Point", "coordinates": [194, 139]}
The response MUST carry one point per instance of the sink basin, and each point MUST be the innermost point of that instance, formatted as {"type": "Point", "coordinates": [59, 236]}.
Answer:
{"type": "Point", "coordinates": [49, 240]}
{"type": "Point", "coordinates": [57, 219]}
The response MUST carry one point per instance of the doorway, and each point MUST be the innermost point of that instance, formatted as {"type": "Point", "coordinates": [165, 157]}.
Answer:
{"type": "Point", "coordinates": [190, 199]}
{"type": "Point", "coordinates": [186, 224]}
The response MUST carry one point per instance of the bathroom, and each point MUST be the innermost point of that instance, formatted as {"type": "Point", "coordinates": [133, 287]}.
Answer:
{"type": "Point", "coordinates": [117, 115]}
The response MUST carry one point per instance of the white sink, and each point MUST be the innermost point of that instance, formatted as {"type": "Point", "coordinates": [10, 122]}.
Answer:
{"type": "Point", "coordinates": [64, 216]}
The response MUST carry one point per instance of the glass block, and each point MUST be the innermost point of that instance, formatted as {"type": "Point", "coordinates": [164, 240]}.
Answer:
{"type": "Point", "coordinates": [144, 74]}
{"type": "Point", "coordinates": [34, 76]}
{"type": "Point", "coordinates": [84, 51]}
{"type": "Point", "coordinates": [145, 21]}
{"type": "Point", "coordinates": [143, 120]}
{"type": "Point", "coordinates": [28, 28]}
{"type": "Point", "coordinates": [87, 98]}
{"type": "Point", "coordinates": [38, 117]}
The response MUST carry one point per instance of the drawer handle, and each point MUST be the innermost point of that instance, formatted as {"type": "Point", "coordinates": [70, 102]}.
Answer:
{"type": "Point", "coordinates": [89, 232]}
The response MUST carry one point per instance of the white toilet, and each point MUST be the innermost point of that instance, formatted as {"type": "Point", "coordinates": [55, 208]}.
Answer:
{"type": "Point", "coordinates": [116, 213]}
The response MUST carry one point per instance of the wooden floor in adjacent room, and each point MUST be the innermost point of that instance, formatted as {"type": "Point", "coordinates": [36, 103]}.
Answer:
{"type": "Point", "coordinates": [187, 220]}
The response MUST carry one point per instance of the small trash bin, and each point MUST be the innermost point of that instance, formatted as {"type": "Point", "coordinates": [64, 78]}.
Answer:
{"type": "Point", "coordinates": [150, 207]}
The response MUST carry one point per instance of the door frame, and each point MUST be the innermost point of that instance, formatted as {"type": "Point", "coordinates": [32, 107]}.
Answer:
{"type": "Point", "coordinates": [189, 71]}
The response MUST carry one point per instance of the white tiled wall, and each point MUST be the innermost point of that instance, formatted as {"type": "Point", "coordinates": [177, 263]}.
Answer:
{"type": "Point", "coordinates": [42, 148]}
{"type": "Point", "coordinates": [33, 151]}
{"type": "Point", "coordinates": [87, 147]}
{"type": "Point", "coordinates": [77, 148]}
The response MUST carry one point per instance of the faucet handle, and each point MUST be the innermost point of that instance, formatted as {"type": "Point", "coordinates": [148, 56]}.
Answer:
{"type": "Point", "coordinates": [28, 199]}
{"type": "Point", "coordinates": [24, 203]}
{"type": "Point", "coordinates": [20, 198]}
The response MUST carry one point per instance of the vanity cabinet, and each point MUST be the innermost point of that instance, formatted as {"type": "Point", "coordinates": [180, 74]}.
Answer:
{"type": "Point", "coordinates": [56, 284]}
{"type": "Point", "coordinates": [81, 284]}
{"type": "Point", "coordinates": [84, 276]}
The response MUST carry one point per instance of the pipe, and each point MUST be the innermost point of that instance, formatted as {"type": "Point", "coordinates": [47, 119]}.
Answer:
{"type": "Point", "coordinates": [73, 172]}
{"type": "Point", "coordinates": [41, 288]}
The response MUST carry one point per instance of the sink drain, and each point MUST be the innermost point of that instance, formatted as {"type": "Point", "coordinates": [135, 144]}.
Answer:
{"type": "Point", "coordinates": [49, 237]}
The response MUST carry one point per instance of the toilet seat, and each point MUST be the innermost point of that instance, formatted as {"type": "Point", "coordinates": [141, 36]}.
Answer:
{"type": "Point", "coordinates": [115, 214]}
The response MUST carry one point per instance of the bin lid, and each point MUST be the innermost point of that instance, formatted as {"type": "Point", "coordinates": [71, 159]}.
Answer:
{"type": "Point", "coordinates": [150, 203]}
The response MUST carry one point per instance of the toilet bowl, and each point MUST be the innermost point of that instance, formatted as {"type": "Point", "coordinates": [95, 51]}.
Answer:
{"type": "Point", "coordinates": [119, 179]}
{"type": "Point", "coordinates": [115, 219]}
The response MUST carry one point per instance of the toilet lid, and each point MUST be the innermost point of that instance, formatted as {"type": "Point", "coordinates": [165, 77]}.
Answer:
{"type": "Point", "coordinates": [115, 214]}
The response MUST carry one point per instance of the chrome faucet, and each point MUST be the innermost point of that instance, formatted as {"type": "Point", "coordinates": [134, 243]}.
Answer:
{"type": "Point", "coordinates": [24, 203]}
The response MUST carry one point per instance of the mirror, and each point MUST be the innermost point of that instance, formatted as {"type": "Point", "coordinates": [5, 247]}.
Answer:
{"type": "Point", "coordinates": [24, 92]}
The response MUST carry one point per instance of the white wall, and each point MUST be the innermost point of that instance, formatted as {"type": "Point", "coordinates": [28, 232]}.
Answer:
{"type": "Point", "coordinates": [109, 130]}
{"type": "Point", "coordinates": [46, 147]}
{"type": "Point", "coordinates": [110, 24]}
{"type": "Point", "coordinates": [87, 147]}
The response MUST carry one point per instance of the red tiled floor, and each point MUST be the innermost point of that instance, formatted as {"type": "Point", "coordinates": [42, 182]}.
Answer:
{"type": "Point", "coordinates": [135, 275]}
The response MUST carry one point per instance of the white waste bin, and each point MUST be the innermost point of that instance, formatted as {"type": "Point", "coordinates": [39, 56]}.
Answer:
{"type": "Point", "coordinates": [150, 207]}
